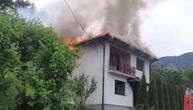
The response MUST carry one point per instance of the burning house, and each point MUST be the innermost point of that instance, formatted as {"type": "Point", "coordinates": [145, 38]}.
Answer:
{"type": "Point", "coordinates": [117, 63]}
{"type": "Point", "coordinates": [117, 67]}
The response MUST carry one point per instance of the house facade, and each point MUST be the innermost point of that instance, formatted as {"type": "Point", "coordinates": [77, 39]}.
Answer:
{"type": "Point", "coordinates": [117, 68]}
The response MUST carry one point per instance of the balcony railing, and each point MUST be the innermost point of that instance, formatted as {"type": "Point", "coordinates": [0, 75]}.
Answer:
{"type": "Point", "coordinates": [125, 69]}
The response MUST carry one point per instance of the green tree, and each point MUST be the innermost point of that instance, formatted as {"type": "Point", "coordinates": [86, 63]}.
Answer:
{"type": "Point", "coordinates": [181, 95]}
{"type": "Point", "coordinates": [12, 4]}
{"type": "Point", "coordinates": [9, 68]}
{"type": "Point", "coordinates": [82, 88]}
{"type": "Point", "coordinates": [142, 96]}
{"type": "Point", "coordinates": [34, 66]}
{"type": "Point", "coordinates": [160, 93]}
{"type": "Point", "coordinates": [170, 88]}
{"type": "Point", "coordinates": [153, 96]}
{"type": "Point", "coordinates": [167, 98]}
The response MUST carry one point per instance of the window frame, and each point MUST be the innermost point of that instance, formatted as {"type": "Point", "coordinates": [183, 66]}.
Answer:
{"type": "Point", "coordinates": [140, 64]}
{"type": "Point", "coordinates": [114, 60]}
{"type": "Point", "coordinates": [120, 87]}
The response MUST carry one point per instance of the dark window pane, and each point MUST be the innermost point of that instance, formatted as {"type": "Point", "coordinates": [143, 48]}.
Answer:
{"type": "Point", "coordinates": [119, 87]}
{"type": "Point", "coordinates": [114, 60]}
{"type": "Point", "coordinates": [140, 65]}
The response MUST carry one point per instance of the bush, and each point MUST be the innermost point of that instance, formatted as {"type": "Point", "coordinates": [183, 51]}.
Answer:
{"type": "Point", "coordinates": [34, 66]}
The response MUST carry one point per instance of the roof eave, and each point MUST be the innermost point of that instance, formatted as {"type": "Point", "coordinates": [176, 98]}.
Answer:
{"type": "Point", "coordinates": [118, 42]}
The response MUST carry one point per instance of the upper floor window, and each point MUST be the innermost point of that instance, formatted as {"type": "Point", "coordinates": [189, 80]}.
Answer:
{"type": "Point", "coordinates": [114, 61]}
{"type": "Point", "coordinates": [119, 60]}
{"type": "Point", "coordinates": [119, 87]}
{"type": "Point", "coordinates": [140, 64]}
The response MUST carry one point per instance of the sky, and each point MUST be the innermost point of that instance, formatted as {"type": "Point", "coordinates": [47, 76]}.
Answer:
{"type": "Point", "coordinates": [167, 26]}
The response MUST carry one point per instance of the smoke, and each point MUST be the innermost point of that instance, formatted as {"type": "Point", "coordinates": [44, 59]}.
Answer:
{"type": "Point", "coordinates": [121, 17]}
{"type": "Point", "coordinates": [117, 16]}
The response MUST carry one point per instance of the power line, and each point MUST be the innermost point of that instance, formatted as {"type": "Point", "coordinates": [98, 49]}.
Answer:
{"type": "Point", "coordinates": [73, 14]}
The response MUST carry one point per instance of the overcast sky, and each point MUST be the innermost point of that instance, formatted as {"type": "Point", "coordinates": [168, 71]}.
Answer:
{"type": "Point", "coordinates": [167, 26]}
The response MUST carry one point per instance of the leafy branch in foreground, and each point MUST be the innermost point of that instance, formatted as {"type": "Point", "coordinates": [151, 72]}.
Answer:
{"type": "Point", "coordinates": [82, 88]}
{"type": "Point", "coordinates": [34, 66]}
{"type": "Point", "coordinates": [6, 5]}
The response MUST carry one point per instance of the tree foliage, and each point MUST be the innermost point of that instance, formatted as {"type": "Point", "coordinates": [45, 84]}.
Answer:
{"type": "Point", "coordinates": [160, 90]}
{"type": "Point", "coordinates": [82, 89]}
{"type": "Point", "coordinates": [167, 86]}
{"type": "Point", "coordinates": [167, 97]}
{"type": "Point", "coordinates": [34, 66]}
{"type": "Point", "coordinates": [12, 4]}
{"type": "Point", "coordinates": [153, 94]}
{"type": "Point", "coordinates": [142, 96]}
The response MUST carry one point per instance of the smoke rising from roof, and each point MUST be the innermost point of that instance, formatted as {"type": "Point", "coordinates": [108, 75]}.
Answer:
{"type": "Point", "coordinates": [121, 17]}
{"type": "Point", "coordinates": [117, 16]}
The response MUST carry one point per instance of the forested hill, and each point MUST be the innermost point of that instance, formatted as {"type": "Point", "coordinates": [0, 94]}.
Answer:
{"type": "Point", "coordinates": [184, 61]}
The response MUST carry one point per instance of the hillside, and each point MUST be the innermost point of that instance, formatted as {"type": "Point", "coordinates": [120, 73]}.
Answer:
{"type": "Point", "coordinates": [184, 61]}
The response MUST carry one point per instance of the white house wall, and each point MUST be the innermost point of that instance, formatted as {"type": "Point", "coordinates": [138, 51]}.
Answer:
{"type": "Point", "coordinates": [146, 67]}
{"type": "Point", "coordinates": [91, 64]}
{"type": "Point", "coordinates": [114, 99]}
{"type": "Point", "coordinates": [110, 97]}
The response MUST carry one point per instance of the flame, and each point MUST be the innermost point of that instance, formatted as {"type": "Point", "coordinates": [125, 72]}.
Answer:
{"type": "Point", "coordinates": [72, 48]}
{"type": "Point", "coordinates": [71, 41]}
{"type": "Point", "coordinates": [102, 33]}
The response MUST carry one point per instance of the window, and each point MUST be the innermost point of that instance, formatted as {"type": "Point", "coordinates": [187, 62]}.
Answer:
{"type": "Point", "coordinates": [119, 87]}
{"type": "Point", "coordinates": [140, 65]}
{"type": "Point", "coordinates": [114, 60]}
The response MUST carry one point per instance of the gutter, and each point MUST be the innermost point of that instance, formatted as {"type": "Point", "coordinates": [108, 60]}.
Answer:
{"type": "Point", "coordinates": [103, 75]}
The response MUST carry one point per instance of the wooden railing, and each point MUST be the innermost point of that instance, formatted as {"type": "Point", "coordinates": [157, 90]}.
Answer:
{"type": "Point", "coordinates": [125, 69]}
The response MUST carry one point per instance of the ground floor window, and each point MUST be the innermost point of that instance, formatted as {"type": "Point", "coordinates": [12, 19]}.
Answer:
{"type": "Point", "coordinates": [119, 87]}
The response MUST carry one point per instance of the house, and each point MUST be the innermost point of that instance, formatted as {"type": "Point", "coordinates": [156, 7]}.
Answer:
{"type": "Point", "coordinates": [117, 68]}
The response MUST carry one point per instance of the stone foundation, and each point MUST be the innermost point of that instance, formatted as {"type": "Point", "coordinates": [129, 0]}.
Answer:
{"type": "Point", "coordinates": [110, 107]}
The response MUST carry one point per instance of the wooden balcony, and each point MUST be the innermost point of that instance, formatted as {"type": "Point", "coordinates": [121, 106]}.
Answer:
{"type": "Point", "coordinates": [126, 71]}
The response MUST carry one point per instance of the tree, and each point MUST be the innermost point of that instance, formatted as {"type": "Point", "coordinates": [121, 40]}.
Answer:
{"type": "Point", "coordinates": [9, 68]}
{"type": "Point", "coordinates": [160, 93]}
{"type": "Point", "coordinates": [181, 95]}
{"type": "Point", "coordinates": [153, 96]}
{"type": "Point", "coordinates": [34, 66]}
{"type": "Point", "coordinates": [170, 89]}
{"type": "Point", "coordinates": [82, 89]}
{"type": "Point", "coordinates": [12, 4]}
{"type": "Point", "coordinates": [142, 96]}
{"type": "Point", "coordinates": [167, 98]}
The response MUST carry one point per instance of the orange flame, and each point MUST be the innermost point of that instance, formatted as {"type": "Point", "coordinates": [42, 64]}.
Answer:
{"type": "Point", "coordinates": [71, 41]}
{"type": "Point", "coordinates": [71, 47]}
{"type": "Point", "coordinates": [102, 33]}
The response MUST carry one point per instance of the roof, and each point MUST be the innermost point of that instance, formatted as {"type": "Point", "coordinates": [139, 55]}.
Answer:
{"type": "Point", "coordinates": [119, 43]}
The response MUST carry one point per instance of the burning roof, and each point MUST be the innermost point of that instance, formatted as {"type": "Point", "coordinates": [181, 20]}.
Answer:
{"type": "Point", "coordinates": [113, 40]}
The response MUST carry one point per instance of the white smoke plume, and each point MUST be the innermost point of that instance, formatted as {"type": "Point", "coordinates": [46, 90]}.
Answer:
{"type": "Point", "coordinates": [118, 16]}
{"type": "Point", "coordinates": [121, 17]}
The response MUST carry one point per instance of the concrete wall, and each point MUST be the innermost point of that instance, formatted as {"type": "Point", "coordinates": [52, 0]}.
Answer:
{"type": "Point", "coordinates": [90, 64]}
{"type": "Point", "coordinates": [146, 67]}
{"type": "Point", "coordinates": [111, 107]}
{"type": "Point", "coordinates": [114, 99]}
{"type": "Point", "coordinates": [110, 97]}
